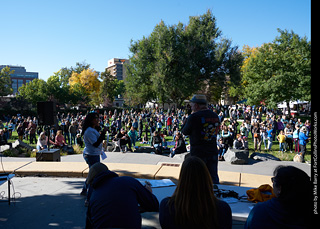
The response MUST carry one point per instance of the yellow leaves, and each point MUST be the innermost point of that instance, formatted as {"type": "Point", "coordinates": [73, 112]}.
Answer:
{"type": "Point", "coordinates": [88, 79]}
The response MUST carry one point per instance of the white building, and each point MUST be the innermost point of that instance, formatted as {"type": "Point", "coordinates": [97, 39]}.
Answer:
{"type": "Point", "coordinates": [117, 68]}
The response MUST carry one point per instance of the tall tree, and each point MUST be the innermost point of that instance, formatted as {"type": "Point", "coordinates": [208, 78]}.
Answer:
{"type": "Point", "coordinates": [279, 71]}
{"type": "Point", "coordinates": [138, 81]}
{"type": "Point", "coordinates": [34, 91]}
{"type": "Point", "coordinates": [5, 81]}
{"type": "Point", "coordinates": [176, 61]}
{"type": "Point", "coordinates": [107, 88]}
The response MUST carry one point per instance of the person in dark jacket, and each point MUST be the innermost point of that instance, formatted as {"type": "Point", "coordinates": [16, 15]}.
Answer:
{"type": "Point", "coordinates": [292, 206]}
{"type": "Point", "coordinates": [180, 146]}
{"type": "Point", "coordinates": [202, 127]}
{"type": "Point", "coordinates": [114, 201]}
{"type": "Point", "coordinates": [123, 139]}
{"type": "Point", "coordinates": [156, 142]}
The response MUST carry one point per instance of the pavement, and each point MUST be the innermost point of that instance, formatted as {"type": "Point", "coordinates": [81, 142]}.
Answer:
{"type": "Point", "coordinates": [46, 194]}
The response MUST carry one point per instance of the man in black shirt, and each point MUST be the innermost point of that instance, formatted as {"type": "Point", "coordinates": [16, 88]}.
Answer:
{"type": "Point", "coordinates": [202, 127]}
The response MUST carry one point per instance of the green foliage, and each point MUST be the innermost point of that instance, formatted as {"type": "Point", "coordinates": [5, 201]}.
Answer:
{"type": "Point", "coordinates": [34, 91]}
{"type": "Point", "coordinates": [56, 88]}
{"type": "Point", "coordinates": [279, 71]}
{"type": "Point", "coordinates": [5, 81]}
{"type": "Point", "coordinates": [176, 61]}
{"type": "Point", "coordinates": [108, 87]}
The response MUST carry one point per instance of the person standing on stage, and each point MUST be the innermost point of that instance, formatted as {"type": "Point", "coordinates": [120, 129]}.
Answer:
{"type": "Point", "coordinates": [202, 127]}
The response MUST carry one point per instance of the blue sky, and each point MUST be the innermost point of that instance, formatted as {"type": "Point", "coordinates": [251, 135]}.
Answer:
{"type": "Point", "coordinates": [44, 35]}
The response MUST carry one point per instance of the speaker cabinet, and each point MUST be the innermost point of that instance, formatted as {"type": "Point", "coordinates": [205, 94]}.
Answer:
{"type": "Point", "coordinates": [46, 112]}
{"type": "Point", "coordinates": [45, 155]}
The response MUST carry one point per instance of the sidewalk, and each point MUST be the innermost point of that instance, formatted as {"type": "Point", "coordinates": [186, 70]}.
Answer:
{"type": "Point", "coordinates": [54, 201]}
{"type": "Point", "coordinates": [146, 165]}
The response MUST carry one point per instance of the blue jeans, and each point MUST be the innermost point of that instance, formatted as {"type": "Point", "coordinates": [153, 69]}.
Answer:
{"type": "Point", "coordinates": [67, 138]}
{"type": "Point", "coordinates": [269, 143]}
{"type": "Point", "coordinates": [281, 146]}
{"type": "Point", "coordinates": [73, 139]}
{"type": "Point", "coordinates": [90, 160]}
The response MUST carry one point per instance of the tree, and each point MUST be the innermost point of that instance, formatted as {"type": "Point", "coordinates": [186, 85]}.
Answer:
{"type": "Point", "coordinates": [176, 61]}
{"type": "Point", "coordinates": [5, 81]}
{"type": "Point", "coordinates": [108, 88]}
{"type": "Point", "coordinates": [65, 73]}
{"type": "Point", "coordinates": [279, 71]}
{"type": "Point", "coordinates": [88, 79]}
{"type": "Point", "coordinates": [139, 71]}
{"type": "Point", "coordinates": [34, 91]}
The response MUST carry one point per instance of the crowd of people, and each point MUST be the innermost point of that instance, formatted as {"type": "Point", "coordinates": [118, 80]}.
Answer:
{"type": "Point", "coordinates": [154, 126]}
{"type": "Point", "coordinates": [210, 130]}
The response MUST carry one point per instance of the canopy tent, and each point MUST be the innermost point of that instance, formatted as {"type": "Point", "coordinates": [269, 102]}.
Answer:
{"type": "Point", "coordinates": [291, 104]}
{"type": "Point", "coordinates": [241, 101]}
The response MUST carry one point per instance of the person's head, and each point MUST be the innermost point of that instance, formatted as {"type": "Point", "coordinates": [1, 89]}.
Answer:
{"type": "Point", "coordinates": [42, 135]}
{"type": "Point", "coordinates": [194, 199]}
{"type": "Point", "coordinates": [198, 102]}
{"type": "Point", "coordinates": [303, 129]}
{"type": "Point", "coordinates": [91, 120]}
{"type": "Point", "coordinates": [59, 132]}
{"type": "Point", "coordinates": [292, 186]}
{"type": "Point", "coordinates": [178, 136]}
{"type": "Point", "coordinates": [95, 170]}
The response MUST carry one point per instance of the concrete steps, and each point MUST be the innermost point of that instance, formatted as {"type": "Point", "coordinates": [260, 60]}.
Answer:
{"type": "Point", "coordinates": [160, 171]}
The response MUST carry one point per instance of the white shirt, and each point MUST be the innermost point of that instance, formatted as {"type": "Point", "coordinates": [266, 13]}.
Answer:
{"type": "Point", "coordinates": [90, 137]}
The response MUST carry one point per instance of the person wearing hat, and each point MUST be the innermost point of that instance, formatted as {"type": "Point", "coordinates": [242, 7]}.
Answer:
{"type": "Point", "coordinates": [114, 201]}
{"type": "Point", "coordinates": [303, 140]}
{"type": "Point", "coordinates": [202, 127]}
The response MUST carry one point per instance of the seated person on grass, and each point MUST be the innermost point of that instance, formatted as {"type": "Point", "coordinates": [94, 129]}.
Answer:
{"type": "Point", "coordinates": [123, 139]}
{"type": "Point", "coordinates": [179, 147]}
{"type": "Point", "coordinates": [156, 142]}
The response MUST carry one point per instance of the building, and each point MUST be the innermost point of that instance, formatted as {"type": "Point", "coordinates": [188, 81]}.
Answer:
{"type": "Point", "coordinates": [117, 68]}
{"type": "Point", "coordinates": [20, 76]}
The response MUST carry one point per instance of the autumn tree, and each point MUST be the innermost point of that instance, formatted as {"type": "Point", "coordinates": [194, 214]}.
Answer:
{"type": "Point", "coordinates": [85, 83]}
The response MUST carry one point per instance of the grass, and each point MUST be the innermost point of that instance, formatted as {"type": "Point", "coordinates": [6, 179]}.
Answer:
{"type": "Point", "coordinates": [285, 156]}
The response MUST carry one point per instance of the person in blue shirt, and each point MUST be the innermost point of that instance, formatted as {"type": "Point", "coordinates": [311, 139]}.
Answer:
{"type": "Point", "coordinates": [270, 137]}
{"type": "Point", "coordinates": [116, 202]}
{"type": "Point", "coordinates": [303, 140]}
